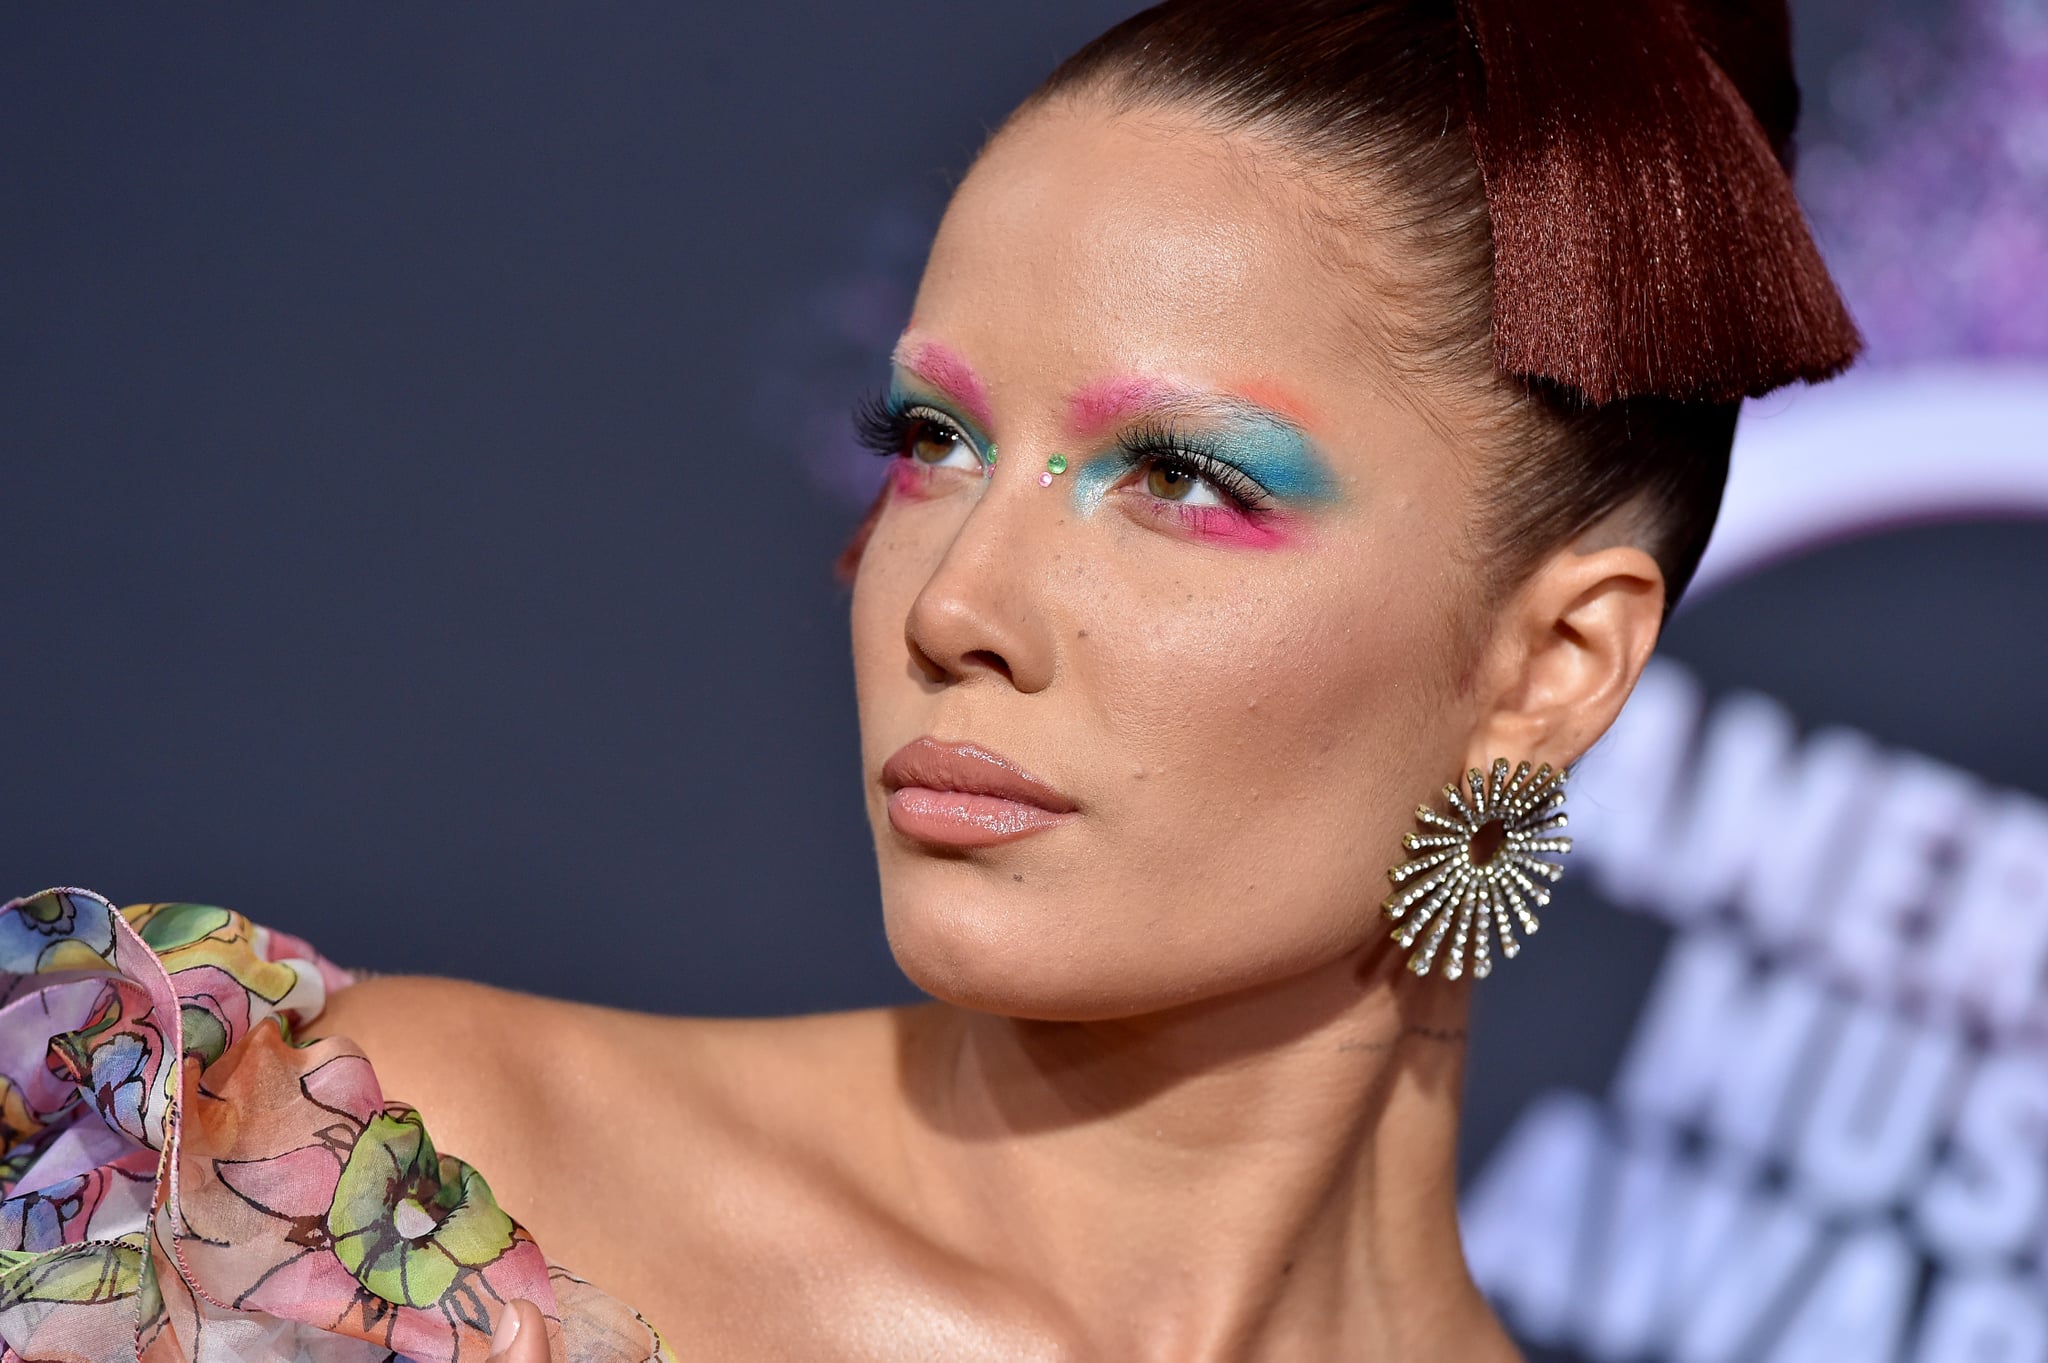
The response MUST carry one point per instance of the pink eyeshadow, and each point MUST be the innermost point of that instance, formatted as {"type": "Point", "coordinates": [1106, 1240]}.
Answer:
{"type": "Point", "coordinates": [946, 369]}
{"type": "Point", "coordinates": [1224, 525]}
{"type": "Point", "coordinates": [904, 479]}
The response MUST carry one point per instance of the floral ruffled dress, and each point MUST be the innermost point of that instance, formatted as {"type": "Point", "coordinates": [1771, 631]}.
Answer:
{"type": "Point", "coordinates": [180, 1180]}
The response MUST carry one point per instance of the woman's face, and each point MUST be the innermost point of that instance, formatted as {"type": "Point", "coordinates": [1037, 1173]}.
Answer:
{"type": "Point", "coordinates": [1234, 634]}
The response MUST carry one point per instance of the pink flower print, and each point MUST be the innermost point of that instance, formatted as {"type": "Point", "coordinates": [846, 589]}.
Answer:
{"type": "Point", "coordinates": [363, 1229]}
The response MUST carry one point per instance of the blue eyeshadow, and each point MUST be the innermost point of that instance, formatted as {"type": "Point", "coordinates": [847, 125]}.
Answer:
{"type": "Point", "coordinates": [1271, 452]}
{"type": "Point", "coordinates": [1277, 456]}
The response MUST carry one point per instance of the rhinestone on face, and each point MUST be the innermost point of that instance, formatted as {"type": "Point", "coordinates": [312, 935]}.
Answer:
{"type": "Point", "coordinates": [1443, 891]}
{"type": "Point", "coordinates": [1057, 464]}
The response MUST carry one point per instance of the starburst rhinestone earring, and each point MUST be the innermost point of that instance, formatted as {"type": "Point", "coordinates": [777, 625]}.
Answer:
{"type": "Point", "coordinates": [1476, 868]}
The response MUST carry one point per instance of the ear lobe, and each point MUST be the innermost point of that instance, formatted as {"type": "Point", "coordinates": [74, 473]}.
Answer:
{"type": "Point", "coordinates": [1569, 649]}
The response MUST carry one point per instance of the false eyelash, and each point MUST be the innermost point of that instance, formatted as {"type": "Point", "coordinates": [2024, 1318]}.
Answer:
{"type": "Point", "coordinates": [881, 425]}
{"type": "Point", "coordinates": [884, 424]}
{"type": "Point", "coordinates": [1162, 445]}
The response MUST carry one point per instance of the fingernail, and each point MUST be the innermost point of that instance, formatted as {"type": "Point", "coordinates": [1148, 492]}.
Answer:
{"type": "Point", "coordinates": [506, 1332]}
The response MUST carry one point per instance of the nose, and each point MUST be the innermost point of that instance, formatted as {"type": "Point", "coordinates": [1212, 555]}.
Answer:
{"type": "Point", "coordinates": [982, 612]}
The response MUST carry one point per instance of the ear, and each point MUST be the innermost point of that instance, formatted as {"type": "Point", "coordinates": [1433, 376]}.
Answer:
{"type": "Point", "coordinates": [1566, 652]}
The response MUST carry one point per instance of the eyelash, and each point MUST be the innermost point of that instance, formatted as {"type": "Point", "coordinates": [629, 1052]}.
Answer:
{"type": "Point", "coordinates": [884, 425]}
{"type": "Point", "coordinates": [1160, 445]}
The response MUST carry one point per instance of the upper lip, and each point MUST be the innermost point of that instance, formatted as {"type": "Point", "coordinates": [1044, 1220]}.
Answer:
{"type": "Point", "coordinates": [971, 770]}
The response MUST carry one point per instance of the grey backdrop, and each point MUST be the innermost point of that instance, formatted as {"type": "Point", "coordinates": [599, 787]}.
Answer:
{"type": "Point", "coordinates": [418, 436]}
{"type": "Point", "coordinates": [405, 552]}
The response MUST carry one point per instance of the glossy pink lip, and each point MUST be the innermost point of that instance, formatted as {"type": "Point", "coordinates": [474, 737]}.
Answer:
{"type": "Point", "coordinates": [962, 795]}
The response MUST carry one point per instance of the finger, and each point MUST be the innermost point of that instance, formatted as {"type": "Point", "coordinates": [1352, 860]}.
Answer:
{"type": "Point", "coordinates": [521, 1335]}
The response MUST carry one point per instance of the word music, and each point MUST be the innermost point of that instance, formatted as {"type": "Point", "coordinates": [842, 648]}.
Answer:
{"type": "Point", "coordinates": [1827, 1141]}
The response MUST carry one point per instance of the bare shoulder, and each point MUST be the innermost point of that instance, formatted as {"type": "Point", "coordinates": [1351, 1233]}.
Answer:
{"type": "Point", "coordinates": [426, 1034]}
{"type": "Point", "coordinates": [498, 1076]}
{"type": "Point", "coordinates": [689, 1166]}
{"type": "Point", "coordinates": [520, 1084]}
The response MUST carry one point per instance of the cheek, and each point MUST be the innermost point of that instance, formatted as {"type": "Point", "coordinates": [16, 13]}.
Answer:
{"type": "Point", "coordinates": [1271, 742]}
{"type": "Point", "coordinates": [883, 588]}
{"type": "Point", "coordinates": [1258, 660]}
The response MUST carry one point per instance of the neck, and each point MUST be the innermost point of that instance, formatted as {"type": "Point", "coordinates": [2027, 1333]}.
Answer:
{"type": "Point", "coordinates": [1269, 1174]}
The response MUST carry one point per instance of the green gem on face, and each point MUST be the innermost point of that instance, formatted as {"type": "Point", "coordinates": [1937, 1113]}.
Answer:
{"type": "Point", "coordinates": [992, 456]}
{"type": "Point", "coordinates": [1057, 464]}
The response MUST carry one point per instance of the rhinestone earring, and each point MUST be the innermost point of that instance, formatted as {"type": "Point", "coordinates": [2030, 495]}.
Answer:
{"type": "Point", "coordinates": [1476, 866]}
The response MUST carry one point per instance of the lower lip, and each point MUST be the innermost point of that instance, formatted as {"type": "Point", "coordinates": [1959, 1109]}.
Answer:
{"type": "Point", "coordinates": [958, 819]}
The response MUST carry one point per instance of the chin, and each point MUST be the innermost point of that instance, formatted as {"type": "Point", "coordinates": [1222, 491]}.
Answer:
{"type": "Point", "coordinates": [995, 958]}
{"type": "Point", "coordinates": [1016, 954]}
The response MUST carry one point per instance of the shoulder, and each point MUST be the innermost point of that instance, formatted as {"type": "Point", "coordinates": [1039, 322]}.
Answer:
{"type": "Point", "coordinates": [510, 1082]}
{"type": "Point", "coordinates": [696, 1167]}
{"type": "Point", "coordinates": [482, 1055]}
{"type": "Point", "coordinates": [754, 1150]}
{"type": "Point", "coordinates": [168, 1030]}
{"type": "Point", "coordinates": [427, 1036]}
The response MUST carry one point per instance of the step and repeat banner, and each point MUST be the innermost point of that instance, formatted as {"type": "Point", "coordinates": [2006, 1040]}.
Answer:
{"type": "Point", "coordinates": [1783, 1097]}
{"type": "Point", "coordinates": [1813, 1123]}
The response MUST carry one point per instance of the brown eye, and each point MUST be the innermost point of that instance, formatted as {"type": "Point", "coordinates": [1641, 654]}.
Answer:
{"type": "Point", "coordinates": [931, 444]}
{"type": "Point", "coordinates": [1169, 484]}
{"type": "Point", "coordinates": [934, 442]}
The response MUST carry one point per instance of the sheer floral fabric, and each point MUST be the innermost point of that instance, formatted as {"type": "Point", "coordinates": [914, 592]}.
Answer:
{"type": "Point", "coordinates": [179, 1179]}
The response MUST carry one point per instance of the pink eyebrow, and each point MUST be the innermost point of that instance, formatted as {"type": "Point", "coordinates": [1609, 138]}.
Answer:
{"type": "Point", "coordinates": [1101, 405]}
{"type": "Point", "coordinates": [948, 371]}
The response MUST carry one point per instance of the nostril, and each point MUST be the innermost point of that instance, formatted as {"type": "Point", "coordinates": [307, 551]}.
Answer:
{"type": "Point", "coordinates": [953, 637]}
{"type": "Point", "coordinates": [988, 658]}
